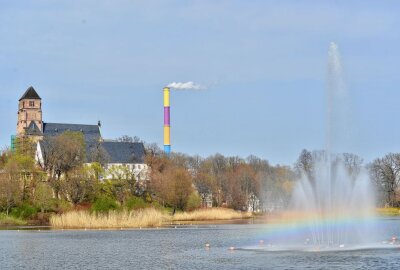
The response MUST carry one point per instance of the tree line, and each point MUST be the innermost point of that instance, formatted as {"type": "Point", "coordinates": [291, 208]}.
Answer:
{"type": "Point", "coordinates": [177, 181]}
{"type": "Point", "coordinates": [383, 173]}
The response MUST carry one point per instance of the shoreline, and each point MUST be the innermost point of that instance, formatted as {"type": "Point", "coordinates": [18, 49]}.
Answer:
{"type": "Point", "coordinates": [171, 223]}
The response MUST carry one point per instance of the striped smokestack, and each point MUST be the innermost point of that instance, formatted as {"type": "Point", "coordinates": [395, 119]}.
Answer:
{"type": "Point", "coordinates": [167, 123]}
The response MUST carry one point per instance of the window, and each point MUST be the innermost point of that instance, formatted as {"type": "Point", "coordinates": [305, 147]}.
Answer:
{"type": "Point", "coordinates": [31, 103]}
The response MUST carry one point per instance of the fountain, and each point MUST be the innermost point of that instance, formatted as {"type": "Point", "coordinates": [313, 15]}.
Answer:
{"type": "Point", "coordinates": [335, 197]}
{"type": "Point", "coordinates": [333, 202]}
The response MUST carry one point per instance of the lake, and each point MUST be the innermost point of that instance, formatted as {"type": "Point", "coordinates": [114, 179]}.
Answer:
{"type": "Point", "coordinates": [182, 247]}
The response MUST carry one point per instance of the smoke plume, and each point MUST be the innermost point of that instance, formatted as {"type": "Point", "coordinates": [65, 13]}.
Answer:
{"type": "Point", "coordinates": [185, 86]}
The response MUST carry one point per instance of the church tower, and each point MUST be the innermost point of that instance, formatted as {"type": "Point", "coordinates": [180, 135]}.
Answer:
{"type": "Point", "coordinates": [30, 114]}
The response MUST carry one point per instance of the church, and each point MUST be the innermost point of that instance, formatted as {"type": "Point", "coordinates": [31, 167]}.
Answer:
{"type": "Point", "coordinates": [118, 154]}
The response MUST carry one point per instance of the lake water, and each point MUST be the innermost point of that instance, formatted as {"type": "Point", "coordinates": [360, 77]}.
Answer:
{"type": "Point", "coordinates": [179, 248]}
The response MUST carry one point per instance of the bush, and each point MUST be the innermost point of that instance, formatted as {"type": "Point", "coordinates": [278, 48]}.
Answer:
{"type": "Point", "coordinates": [61, 205]}
{"type": "Point", "coordinates": [104, 204]}
{"type": "Point", "coordinates": [135, 203]}
{"type": "Point", "coordinates": [10, 221]}
{"type": "Point", "coordinates": [24, 211]}
{"type": "Point", "coordinates": [193, 202]}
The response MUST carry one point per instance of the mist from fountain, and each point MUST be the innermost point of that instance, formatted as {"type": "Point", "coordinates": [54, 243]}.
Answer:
{"type": "Point", "coordinates": [336, 200]}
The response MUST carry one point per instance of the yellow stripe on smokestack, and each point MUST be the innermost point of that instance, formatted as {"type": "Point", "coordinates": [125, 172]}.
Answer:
{"type": "Point", "coordinates": [167, 135]}
{"type": "Point", "coordinates": [166, 97]}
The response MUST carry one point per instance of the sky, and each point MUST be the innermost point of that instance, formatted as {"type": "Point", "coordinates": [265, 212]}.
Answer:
{"type": "Point", "coordinates": [264, 64]}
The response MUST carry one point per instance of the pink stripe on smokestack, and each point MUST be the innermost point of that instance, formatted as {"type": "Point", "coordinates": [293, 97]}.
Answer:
{"type": "Point", "coordinates": [167, 116]}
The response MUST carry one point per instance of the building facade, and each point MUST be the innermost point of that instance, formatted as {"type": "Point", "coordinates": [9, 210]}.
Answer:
{"type": "Point", "coordinates": [119, 157]}
{"type": "Point", "coordinates": [30, 120]}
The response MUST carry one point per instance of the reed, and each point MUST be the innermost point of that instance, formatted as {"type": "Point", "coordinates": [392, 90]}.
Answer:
{"type": "Point", "coordinates": [388, 211]}
{"type": "Point", "coordinates": [148, 217]}
{"type": "Point", "coordinates": [211, 214]}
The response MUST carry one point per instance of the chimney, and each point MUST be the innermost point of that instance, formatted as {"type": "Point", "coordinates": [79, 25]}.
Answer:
{"type": "Point", "coordinates": [167, 122]}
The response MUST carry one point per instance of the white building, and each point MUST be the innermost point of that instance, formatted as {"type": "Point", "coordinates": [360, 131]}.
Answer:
{"type": "Point", "coordinates": [120, 159]}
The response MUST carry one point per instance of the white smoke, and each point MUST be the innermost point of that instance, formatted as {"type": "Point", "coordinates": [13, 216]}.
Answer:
{"type": "Point", "coordinates": [185, 86]}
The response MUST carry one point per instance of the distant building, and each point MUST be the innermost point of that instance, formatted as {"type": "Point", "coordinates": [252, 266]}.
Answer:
{"type": "Point", "coordinates": [128, 154]}
{"type": "Point", "coordinates": [253, 203]}
{"type": "Point", "coordinates": [120, 157]}
{"type": "Point", "coordinates": [30, 115]}
{"type": "Point", "coordinates": [206, 200]}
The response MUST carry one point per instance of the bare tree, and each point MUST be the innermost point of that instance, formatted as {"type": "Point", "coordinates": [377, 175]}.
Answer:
{"type": "Point", "coordinates": [305, 164]}
{"type": "Point", "coordinates": [386, 173]}
{"type": "Point", "coordinates": [353, 164]}
{"type": "Point", "coordinates": [63, 153]}
{"type": "Point", "coordinates": [98, 154]}
{"type": "Point", "coordinates": [127, 138]}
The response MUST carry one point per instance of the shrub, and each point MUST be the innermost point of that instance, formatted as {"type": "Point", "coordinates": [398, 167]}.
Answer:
{"type": "Point", "coordinates": [10, 221]}
{"type": "Point", "coordinates": [104, 204]}
{"type": "Point", "coordinates": [135, 203]}
{"type": "Point", "coordinates": [61, 205]}
{"type": "Point", "coordinates": [193, 202]}
{"type": "Point", "coordinates": [24, 211]}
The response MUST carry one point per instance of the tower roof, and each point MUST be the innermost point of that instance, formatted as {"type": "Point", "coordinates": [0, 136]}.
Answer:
{"type": "Point", "coordinates": [30, 93]}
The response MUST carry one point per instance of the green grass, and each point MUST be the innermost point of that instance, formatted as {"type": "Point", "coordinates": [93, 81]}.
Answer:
{"type": "Point", "coordinates": [10, 220]}
{"type": "Point", "coordinates": [389, 211]}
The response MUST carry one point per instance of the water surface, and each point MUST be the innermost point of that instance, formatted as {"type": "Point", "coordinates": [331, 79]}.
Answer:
{"type": "Point", "coordinates": [178, 248]}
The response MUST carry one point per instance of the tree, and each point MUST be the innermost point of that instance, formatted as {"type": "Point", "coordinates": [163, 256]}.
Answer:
{"type": "Point", "coordinates": [25, 146]}
{"type": "Point", "coordinates": [78, 186]}
{"type": "Point", "coordinates": [127, 138]}
{"type": "Point", "coordinates": [353, 164]}
{"type": "Point", "coordinates": [386, 173]}
{"type": "Point", "coordinates": [63, 153]}
{"type": "Point", "coordinates": [181, 184]}
{"type": "Point", "coordinates": [4, 155]}
{"type": "Point", "coordinates": [305, 164]}
{"type": "Point", "coordinates": [205, 185]}
{"type": "Point", "coordinates": [98, 154]}
{"type": "Point", "coordinates": [10, 186]}
{"type": "Point", "coordinates": [43, 196]}
{"type": "Point", "coordinates": [170, 185]}
{"type": "Point", "coordinates": [124, 182]}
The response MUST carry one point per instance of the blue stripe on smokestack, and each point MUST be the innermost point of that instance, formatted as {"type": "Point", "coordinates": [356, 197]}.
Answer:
{"type": "Point", "coordinates": [167, 149]}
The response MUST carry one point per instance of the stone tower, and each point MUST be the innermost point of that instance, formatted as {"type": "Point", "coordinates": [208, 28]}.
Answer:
{"type": "Point", "coordinates": [30, 114]}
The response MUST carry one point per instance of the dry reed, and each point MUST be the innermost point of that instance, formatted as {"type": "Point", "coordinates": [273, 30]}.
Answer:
{"type": "Point", "coordinates": [210, 214]}
{"type": "Point", "coordinates": [388, 211]}
{"type": "Point", "coordinates": [148, 217]}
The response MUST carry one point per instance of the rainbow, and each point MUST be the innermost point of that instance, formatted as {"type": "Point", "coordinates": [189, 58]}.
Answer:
{"type": "Point", "coordinates": [313, 229]}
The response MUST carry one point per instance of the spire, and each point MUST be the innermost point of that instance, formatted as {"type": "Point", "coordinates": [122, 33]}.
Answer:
{"type": "Point", "coordinates": [30, 93]}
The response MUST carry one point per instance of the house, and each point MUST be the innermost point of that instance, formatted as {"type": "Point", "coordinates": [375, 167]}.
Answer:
{"type": "Point", "coordinates": [125, 154]}
{"type": "Point", "coordinates": [120, 157]}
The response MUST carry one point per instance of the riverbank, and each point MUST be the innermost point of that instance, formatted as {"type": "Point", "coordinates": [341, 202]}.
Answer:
{"type": "Point", "coordinates": [153, 217]}
{"type": "Point", "coordinates": [388, 211]}
{"type": "Point", "coordinates": [7, 220]}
